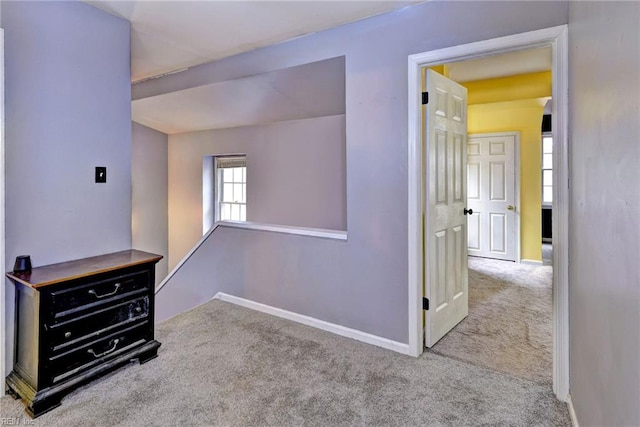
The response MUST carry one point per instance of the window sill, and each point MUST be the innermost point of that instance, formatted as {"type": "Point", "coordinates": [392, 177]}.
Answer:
{"type": "Point", "coordinates": [300, 231]}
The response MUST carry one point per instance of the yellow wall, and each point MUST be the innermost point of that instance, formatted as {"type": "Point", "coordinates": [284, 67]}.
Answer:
{"type": "Point", "coordinates": [516, 104]}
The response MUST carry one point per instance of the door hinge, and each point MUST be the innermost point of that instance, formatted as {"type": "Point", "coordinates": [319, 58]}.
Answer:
{"type": "Point", "coordinates": [425, 98]}
{"type": "Point", "coordinates": [425, 303]}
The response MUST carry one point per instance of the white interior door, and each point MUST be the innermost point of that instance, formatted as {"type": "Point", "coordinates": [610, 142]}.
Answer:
{"type": "Point", "coordinates": [491, 195]}
{"type": "Point", "coordinates": [446, 284]}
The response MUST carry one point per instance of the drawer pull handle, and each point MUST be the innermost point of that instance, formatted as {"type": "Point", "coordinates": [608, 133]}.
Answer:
{"type": "Point", "coordinates": [92, 292]}
{"type": "Point", "coordinates": [67, 334]}
{"type": "Point", "coordinates": [111, 350]}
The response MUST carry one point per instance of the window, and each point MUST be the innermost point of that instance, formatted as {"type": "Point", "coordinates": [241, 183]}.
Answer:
{"type": "Point", "coordinates": [231, 179]}
{"type": "Point", "coordinates": [547, 169]}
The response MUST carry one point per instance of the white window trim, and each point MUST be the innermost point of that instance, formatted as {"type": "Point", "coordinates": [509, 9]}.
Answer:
{"type": "Point", "coordinates": [217, 183]}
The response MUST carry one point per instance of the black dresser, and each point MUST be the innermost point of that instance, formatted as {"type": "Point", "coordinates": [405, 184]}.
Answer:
{"type": "Point", "coordinates": [78, 320]}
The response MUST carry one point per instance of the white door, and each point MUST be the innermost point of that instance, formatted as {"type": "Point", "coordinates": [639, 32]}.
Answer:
{"type": "Point", "coordinates": [491, 188]}
{"type": "Point", "coordinates": [446, 195]}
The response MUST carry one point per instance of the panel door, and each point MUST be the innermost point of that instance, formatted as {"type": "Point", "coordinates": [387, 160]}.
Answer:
{"type": "Point", "coordinates": [446, 284]}
{"type": "Point", "coordinates": [491, 195]}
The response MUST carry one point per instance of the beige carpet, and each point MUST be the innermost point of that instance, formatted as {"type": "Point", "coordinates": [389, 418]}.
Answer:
{"type": "Point", "coordinates": [223, 365]}
{"type": "Point", "coordinates": [547, 254]}
{"type": "Point", "coordinates": [509, 327]}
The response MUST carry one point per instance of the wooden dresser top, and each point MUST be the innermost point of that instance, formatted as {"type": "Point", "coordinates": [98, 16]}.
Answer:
{"type": "Point", "coordinates": [65, 271]}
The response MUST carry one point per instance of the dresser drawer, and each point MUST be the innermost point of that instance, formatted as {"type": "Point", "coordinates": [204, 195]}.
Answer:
{"type": "Point", "coordinates": [71, 300]}
{"type": "Point", "coordinates": [72, 362]}
{"type": "Point", "coordinates": [65, 334]}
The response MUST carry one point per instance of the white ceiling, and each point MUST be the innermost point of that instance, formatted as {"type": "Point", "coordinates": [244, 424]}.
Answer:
{"type": "Point", "coordinates": [507, 64]}
{"type": "Point", "coordinates": [172, 35]}
{"type": "Point", "coordinates": [305, 91]}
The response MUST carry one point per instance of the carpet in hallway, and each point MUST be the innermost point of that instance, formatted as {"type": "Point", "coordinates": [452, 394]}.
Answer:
{"type": "Point", "coordinates": [510, 323]}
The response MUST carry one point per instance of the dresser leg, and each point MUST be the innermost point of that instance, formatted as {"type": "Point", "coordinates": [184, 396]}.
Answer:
{"type": "Point", "coordinates": [145, 358]}
{"type": "Point", "coordinates": [11, 392]}
{"type": "Point", "coordinates": [39, 407]}
{"type": "Point", "coordinates": [152, 353]}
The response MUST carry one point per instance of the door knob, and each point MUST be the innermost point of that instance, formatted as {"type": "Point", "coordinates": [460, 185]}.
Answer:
{"type": "Point", "coordinates": [468, 211]}
{"type": "Point", "coordinates": [511, 208]}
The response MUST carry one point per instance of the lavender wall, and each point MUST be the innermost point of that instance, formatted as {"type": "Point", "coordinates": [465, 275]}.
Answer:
{"type": "Point", "coordinates": [361, 283]}
{"type": "Point", "coordinates": [295, 176]}
{"type": "Point", "coordinates": [149, 204]}
{"type": "Point", "coordinates": [604, 274]}
{"type": "Point", "coordinates": [68, 109]}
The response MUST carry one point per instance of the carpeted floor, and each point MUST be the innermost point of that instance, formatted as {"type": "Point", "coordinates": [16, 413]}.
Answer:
{"type": "Point", "coordinates": [509, 327]}
{"type": "Point", "coordinates": [223, 365]}
{"type": "Point", "coordinates": [547, 254]}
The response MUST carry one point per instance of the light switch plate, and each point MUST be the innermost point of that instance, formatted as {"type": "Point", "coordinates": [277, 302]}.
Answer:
{"type": "Point", "coordinates": [101, 174]}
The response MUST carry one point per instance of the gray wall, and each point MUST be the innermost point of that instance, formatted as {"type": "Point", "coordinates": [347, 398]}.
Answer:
{"type": "Point", "coordinates": [604, 273]}
{"type": "Point", "coordinates": [295, 176]}
{"type": "Point", "coordinates": [149, 200]}
{"type": "Point", "coordinates": [361, 283]}
{"type": "Point", "coordinates": [68, 109]}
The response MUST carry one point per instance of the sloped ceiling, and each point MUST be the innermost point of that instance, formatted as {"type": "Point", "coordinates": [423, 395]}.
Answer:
{"type": "Point", "coordinates": [172, 35]}
{"type": "Point", "coordinates": [306, 91]}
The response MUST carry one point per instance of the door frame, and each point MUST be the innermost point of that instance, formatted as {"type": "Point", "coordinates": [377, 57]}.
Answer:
{"type": "Point", "coordinates": [557, 39]}
{"type": "Point", "coordinates": [3, 307]}
{"type": "Point", "coordinates": [516, 171]}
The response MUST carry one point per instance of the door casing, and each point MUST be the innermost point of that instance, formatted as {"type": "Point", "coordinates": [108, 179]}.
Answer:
{"type": "Point", "coordinates": [557, 39]}
{"type": "Point", "coordinates": [3, 306]}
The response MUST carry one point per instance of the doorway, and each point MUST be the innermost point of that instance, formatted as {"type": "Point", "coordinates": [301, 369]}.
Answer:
{"type": "Point", "coordinates": [507, 327]}
{"type": "Point", "coordinates": [556, 39]}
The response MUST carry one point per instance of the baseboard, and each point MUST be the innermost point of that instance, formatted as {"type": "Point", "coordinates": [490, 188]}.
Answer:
{"type": "Point", "coordinates": [530, 262]}
{"type": "Point", "coordinates": [572, 412]}
{"type": "Point", "coordinates": [316, 323]}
